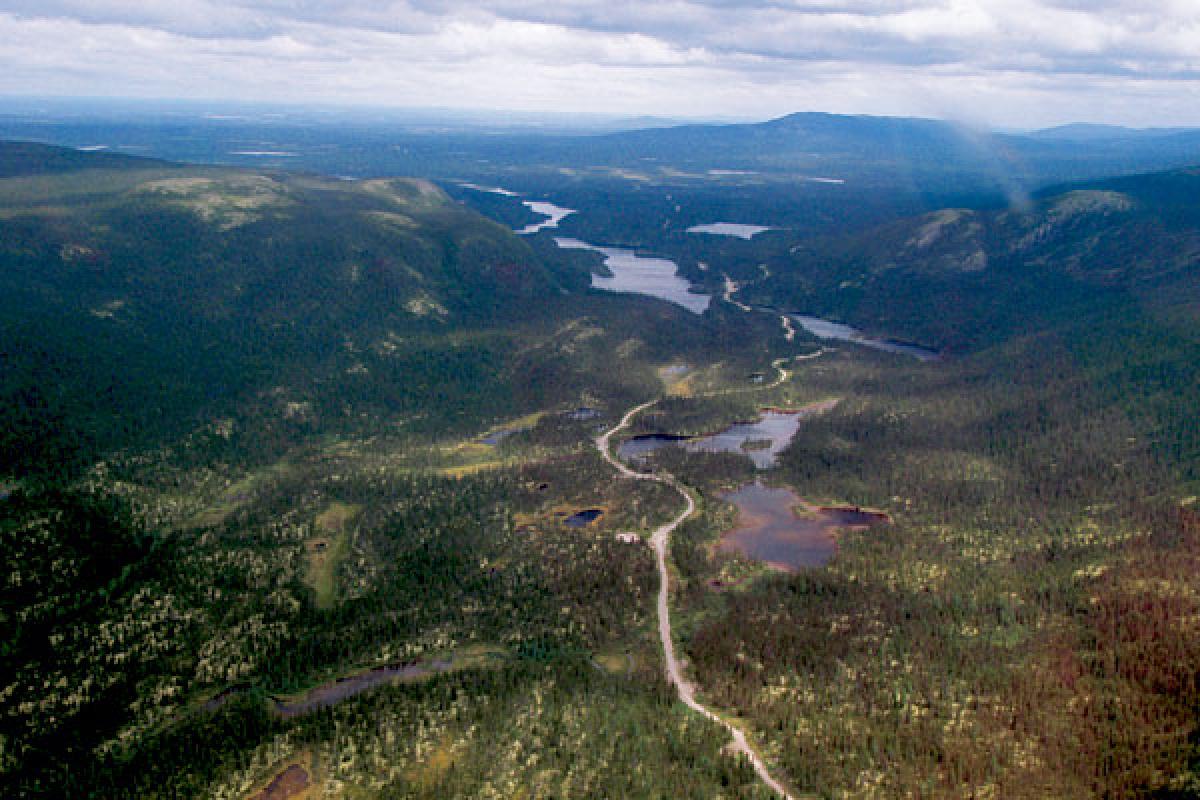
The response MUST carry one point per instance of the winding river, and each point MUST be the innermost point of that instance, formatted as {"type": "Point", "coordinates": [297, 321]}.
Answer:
{"type": "Point", "coordinates": [553, 214]}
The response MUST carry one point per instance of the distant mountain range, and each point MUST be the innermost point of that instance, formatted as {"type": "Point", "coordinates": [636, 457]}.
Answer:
{"type": "Point", "coordinates": [906, 150]}
{"type": "Point", "coordinates": [904, 154]}
{"type": "Point", "coordinates": [1086, 132]}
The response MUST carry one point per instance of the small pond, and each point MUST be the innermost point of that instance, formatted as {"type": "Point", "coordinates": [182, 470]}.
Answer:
{"type": "Point", "coordinates": [770, 530]}
{"type": "Point", "coordinates": [332, 693]}
{"type": "Point", "coordinates": [581, 519]}
{"type": "Point", "coordinates": [495, 437]}
{"type": "Point", "coordinates": [761, 441]}
{"type": "Point", "coordinates": [638, 447]}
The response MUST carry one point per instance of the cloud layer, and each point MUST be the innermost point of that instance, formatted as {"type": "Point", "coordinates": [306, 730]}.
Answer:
{"type": "Point", "coordinates": [1006, 62]}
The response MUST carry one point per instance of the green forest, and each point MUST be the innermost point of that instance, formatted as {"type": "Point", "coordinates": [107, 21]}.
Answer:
{"type": "Point", "coordinates": [290, 465]}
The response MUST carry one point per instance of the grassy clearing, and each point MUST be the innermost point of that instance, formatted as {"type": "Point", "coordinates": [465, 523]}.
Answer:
{"type": "Point", "coordinates": [323, 554]}
{"type": "Point", "coordinates": [677, 379]}
{"type": "Point", "coordinates": [336, 517]}
{"type": "Point", "coordinates": [620, 662]}
{"type": "Point", "coordinates": [471, 469]}
{"type": "Point", "coordinates": [520, 423]}
{"type": "Point", "coordinates": [240, 494]}
{"type": "Point", "coordinates": [429, 773]}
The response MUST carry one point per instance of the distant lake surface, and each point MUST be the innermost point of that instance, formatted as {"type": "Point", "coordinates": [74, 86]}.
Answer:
{"type": "Point", "coordinates": [729, 229]}
{"type": "Point", "coordinates": [657, 277]}
{"type": "Point", "coordinates": [489, 189]}
{"type": "Point", "coordinates": [824, 329]}
{"type": "Point", "coordinates": [554, 215]}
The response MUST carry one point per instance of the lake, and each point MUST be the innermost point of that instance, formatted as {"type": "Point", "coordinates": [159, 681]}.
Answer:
{"type": "Point", "coordinates": [824, 329]}
{"type": "Point", "coordinates": [554, 215]}
{"type": "Point", "coordinates": [729, 229]}
{"type": "Point", "coordinates": [657, 277]}
{"type": "Point", "coordinates": [761, 441]}
{"type": "Point", "coordinates": [769, 529]}
{"type": "Point", "coordinates": [775, 429]}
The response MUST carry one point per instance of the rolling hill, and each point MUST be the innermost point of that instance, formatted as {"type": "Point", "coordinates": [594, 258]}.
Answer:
{"type": "Point", "coordinates": [1111, 268]}
{"type": "Point", "coordinates": [139, 296]}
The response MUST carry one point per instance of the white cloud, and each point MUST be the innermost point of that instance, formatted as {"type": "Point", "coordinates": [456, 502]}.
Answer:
{"type": "Point", "coordinates": [999, 61]}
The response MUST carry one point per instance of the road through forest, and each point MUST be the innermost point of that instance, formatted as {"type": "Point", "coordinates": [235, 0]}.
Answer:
{"type": "Point", "coordinates": [660, 542]}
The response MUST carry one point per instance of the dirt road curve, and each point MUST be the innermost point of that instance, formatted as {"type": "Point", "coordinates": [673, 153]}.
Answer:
{"type": "Point", "coordinates": [660, 540]}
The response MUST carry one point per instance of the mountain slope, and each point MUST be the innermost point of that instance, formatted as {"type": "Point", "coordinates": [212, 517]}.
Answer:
{"type": "Point", "coordinates": [135, 298]}
{"type": "Point", "coordinates": [1111, 269]}
{"type": "Point", "coordinates": [1084, 132]}
{"type": "Point", "coordinates": [33, 158]}
{"type": "Point", "coordinates": [1135, 236]}
{"type": "Point", "coordinates": [925, 154]}
{"type": "Point", "coordinates": [273, 437]}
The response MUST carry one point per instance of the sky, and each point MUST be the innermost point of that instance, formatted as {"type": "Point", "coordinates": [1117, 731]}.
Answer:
{"type": "Point", "coordinates": [999, 63]}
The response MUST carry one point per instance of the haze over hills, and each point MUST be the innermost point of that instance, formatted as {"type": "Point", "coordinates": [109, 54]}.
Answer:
{"type": "Point", "coordinates": [1136, 235]}
{"type": "Point", "coordinates": [32, 158]}
{"type": "Point", "coordinates": [1084, 132]}
{"type": "Point", "coordinates": [1108, 267]}
{"type": "Point", "coordinates": [874, 149]}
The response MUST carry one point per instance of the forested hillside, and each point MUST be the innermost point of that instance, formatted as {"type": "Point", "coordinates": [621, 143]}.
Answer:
{"type": "Point", "coordinates": [1112, 269]}
{"type": "Point", "coordinates": [302, 491]}
{"type": "Point", "coordinates": [266, 432]}
{"type": "Point", "coordinates": [138, 298]}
